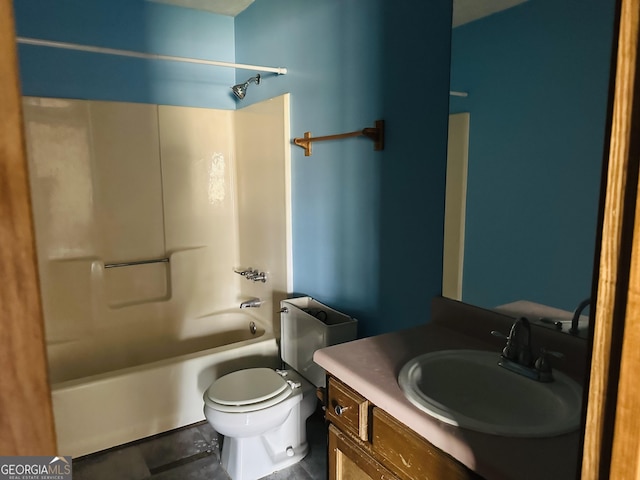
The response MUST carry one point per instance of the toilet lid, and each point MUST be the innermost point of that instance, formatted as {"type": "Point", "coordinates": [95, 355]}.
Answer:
{"type": "Point", "coordinates": [247, 386]}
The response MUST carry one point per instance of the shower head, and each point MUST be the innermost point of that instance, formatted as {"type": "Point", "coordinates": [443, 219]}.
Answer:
{"type": "Point", "coordinates": [240, 90]}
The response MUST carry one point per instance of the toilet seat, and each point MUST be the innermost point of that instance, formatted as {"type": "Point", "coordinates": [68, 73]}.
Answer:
{"type": "Point", "coordinates": [247, 390]}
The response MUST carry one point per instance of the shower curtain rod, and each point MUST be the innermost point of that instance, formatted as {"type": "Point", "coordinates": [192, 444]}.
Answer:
{"type": "Point", "coordinates": [150, 56]}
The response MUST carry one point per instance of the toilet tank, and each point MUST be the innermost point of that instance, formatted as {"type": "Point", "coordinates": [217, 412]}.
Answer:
{"type": "Point", "coordinates": [307, 325]}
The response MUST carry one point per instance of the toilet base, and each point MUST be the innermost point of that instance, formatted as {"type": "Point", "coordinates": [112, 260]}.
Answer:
{"type": "Point", "coordinates": [258, 443]}
{"type": "Point", "coordinates": [250, 459]}
{"type": "Point", "coordinates": [253, 457]}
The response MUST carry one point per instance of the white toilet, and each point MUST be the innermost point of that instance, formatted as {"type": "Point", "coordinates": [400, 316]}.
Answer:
{"type": "Point", "coordinates": [262, 412]}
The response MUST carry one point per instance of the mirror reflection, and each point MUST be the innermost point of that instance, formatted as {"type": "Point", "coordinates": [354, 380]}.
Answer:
{"type": "Point", "coordinates": [537, 79]}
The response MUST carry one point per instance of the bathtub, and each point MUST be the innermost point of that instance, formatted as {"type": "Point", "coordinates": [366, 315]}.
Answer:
{"type": "Point", "coordinates": [100, 411]}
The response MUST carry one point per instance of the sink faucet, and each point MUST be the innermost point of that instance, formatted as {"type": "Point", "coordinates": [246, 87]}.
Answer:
{"type": "Point", "coordinates": [254, 302]}
{"type": "Point", "coordinates": [576, 316]}
{"type": "Point", "coordinates": [518, 347]}
{"type": "Point", "coordinates": [517, 356]}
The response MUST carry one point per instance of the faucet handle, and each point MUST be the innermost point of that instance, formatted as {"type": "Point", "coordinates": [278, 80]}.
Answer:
{"type": "Point", "coordinates": [508, 351]}
{"type": "Point", "coordinates": [498, 334]}
{"type": "Point", "coordinates": [544, 351]}
{"type": "Point", "coordinates": [543, 366]}
{"type": "Point", "coordinates": [245, 272]}
{"type": "Point", "coordinates": [257, 276]}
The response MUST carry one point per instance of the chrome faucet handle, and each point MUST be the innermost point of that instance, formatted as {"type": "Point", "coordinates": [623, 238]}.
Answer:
{"type": "Point", "coordinates": [498, 334]}
{"type": "Point", "coordinates": [507, 351]}
{"type": "Point", "coordinates": [259, 277]}
{"type": "Point", "coordinates": [543, 361]}
{"type": "Point", "coordinates": [543, 366]}
{"type": "Point", "coordinates": [253, 275]}
{"type": "Point", "coordinates": [246, 272]}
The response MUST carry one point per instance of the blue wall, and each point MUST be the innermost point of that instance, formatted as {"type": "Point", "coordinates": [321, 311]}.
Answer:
{"type": "Point", "coordinates": [128, 25]}
{"type": "Point", "coordinates": [367, 226]}
{"type": "Point", "coordinates": [537, 77]}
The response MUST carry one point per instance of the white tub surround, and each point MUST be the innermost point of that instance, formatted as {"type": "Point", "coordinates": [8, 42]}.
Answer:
{"type": "Point", "coordinates": [142, 215]}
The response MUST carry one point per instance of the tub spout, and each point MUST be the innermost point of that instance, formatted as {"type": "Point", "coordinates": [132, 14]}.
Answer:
{"type": "Point", "coordinates": [254, 302]}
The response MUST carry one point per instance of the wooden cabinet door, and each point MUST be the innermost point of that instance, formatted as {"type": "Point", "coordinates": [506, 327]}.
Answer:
{"type": "Point", "coordinates": [348, 461]}
{"type": "Point", "coordinates": [411, 456]}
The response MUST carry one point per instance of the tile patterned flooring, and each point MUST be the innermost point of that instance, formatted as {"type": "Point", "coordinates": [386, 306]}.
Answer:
{"type": "Point", "coordinates": [192, 453]}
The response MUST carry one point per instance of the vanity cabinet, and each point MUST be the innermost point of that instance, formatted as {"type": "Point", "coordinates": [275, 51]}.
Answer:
{"type": "Point", "coordinates": [351, 460]}
{"type": "Point", "coordinates": [365, 442]}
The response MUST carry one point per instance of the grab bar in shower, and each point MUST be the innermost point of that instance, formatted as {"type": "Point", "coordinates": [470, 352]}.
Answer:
{"type": "Point", "coordinates": [139, 262]}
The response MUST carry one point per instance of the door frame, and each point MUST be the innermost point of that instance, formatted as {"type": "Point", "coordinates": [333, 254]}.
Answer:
{"type": "Point", "coordinates": [26, 414]}
{"type": "Point", "coordinates": [612, 420]}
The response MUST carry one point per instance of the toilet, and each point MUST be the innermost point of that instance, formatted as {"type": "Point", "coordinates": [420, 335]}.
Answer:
{"type": "Point", "coordinates": [262, 412]}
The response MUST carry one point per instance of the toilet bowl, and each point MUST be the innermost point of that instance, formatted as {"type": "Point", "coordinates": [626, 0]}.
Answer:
{"type": "Point", "coordinates": [262, 412]}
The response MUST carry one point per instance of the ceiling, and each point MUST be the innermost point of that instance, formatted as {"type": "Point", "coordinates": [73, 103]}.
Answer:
{"type": "Point", "coordinates": [464, 11]}
{"type": "Point", "coordinates": [222, 7]}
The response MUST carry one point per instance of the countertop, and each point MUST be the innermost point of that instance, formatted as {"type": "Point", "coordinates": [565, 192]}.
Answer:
{"type": "Point", "coordinates": [371, 365]}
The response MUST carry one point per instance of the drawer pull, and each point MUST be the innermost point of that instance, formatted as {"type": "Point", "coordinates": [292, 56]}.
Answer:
{"type": "Point", "coordinates": [339, 409]}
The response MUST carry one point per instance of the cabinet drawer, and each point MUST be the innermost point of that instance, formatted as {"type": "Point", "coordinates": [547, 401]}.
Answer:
{"type": "Point", "coordinates": [409, 455]}
{"type": "Point", "coordinates": [347, 409]}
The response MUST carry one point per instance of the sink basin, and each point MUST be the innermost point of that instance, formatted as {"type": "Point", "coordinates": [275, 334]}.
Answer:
{"type": "Point", "coordinates": [468, 388]}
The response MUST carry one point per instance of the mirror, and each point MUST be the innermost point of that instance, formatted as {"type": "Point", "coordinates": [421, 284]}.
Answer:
{"type": "Point", "coordinates": [537, 79]}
